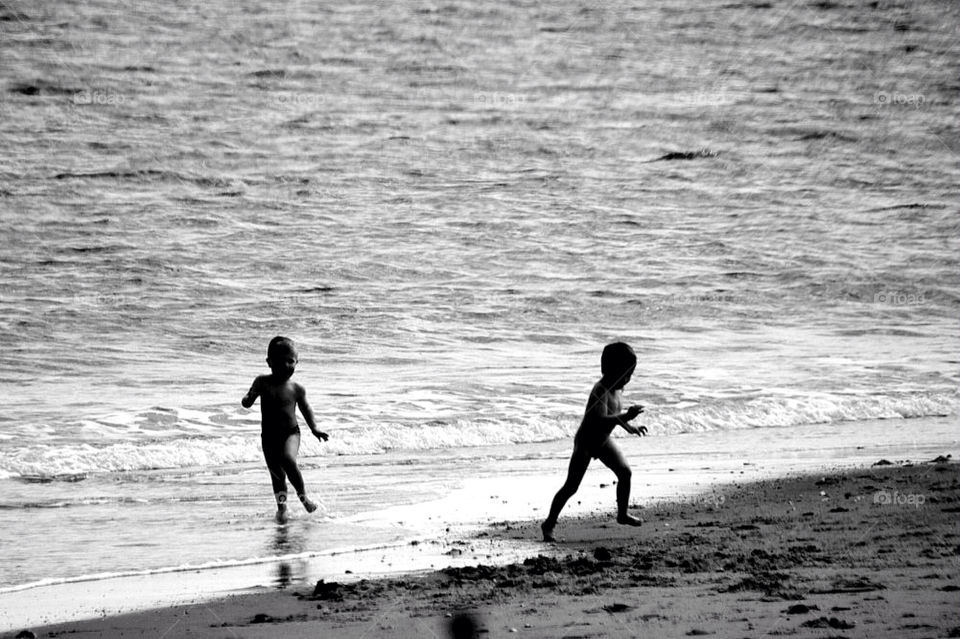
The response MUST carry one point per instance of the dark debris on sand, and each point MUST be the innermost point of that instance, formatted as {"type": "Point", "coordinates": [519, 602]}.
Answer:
{"type": "Point", "coordinates": [831, 622]}
{"type": "Point", "coordinates": [771, 584]}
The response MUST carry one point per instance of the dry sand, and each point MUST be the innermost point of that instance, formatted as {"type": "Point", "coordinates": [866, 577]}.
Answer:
{"type": "Point", "coordinates": [867, 552]}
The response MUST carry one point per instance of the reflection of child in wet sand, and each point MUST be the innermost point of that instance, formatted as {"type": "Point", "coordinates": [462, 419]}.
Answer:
{"type": "Point", "coordinates": [592, 440]}
{"type": "Point", "coordinates": [280, 435]}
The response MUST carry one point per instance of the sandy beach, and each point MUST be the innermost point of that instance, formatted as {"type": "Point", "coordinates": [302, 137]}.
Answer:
{"type": "Point", "coordinates": [860, 552]}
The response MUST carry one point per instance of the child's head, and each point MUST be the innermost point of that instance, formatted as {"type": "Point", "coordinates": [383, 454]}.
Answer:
{"type": "Point", "coordinates": [617, 363]}
{"type": "Point", "coordinates": [282, 356]}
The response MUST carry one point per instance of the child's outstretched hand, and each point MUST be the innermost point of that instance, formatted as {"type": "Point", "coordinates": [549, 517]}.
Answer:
{"type": "Point", "coordinates": [322, 436]}
{"type": "Point", "coordinates": [637, 430]}
{"type": "Point", "coordinates": [633, 411]}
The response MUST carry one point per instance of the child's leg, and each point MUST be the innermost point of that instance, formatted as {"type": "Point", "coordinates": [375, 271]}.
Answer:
{"type": "Point", "coordinates": [289, 461]}
{"type": "Point", "coordinates": [579, 461]}
{"type": "Point", "coordinates": [278, 477]}
{"type": "Point", "coordinates": [613, 459]}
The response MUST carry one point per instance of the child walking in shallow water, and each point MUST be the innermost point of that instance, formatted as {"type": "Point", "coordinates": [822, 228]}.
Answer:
{"type": "Point", "coordinates": [592, 440]}
{"type": "Point", "coordinates": [280, 435]}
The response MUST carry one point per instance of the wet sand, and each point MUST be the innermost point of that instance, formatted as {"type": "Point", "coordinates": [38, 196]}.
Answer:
{"type": "Point", "coordinates": [864, 552]}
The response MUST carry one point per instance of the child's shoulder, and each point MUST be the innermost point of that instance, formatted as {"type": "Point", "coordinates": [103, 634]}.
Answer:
{"type": "Point", "coordinates": [599, 389]}
{"type": "Point", "coordinates": [267, 380]}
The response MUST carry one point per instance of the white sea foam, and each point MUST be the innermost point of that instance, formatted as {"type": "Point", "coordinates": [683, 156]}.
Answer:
{"type": "Point", "coordinates": [769, 412]}
{"type": "Point", "coordinates": [71, 462]}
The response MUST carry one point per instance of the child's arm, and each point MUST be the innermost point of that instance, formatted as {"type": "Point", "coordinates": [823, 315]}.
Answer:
{"type": "Point", "coordinates": [307, 413]}
{"type": "Point", "coordinates": [251, 395]}
{"type": "Point", "coordinates": [631, 413]}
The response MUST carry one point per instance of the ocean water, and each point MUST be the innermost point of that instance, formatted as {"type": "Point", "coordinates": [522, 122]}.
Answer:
{"type": "Point", "coordinates": [451, 207]}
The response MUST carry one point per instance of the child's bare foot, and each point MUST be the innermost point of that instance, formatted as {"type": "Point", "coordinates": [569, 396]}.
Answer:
{"type": "Point", "coordinates": [547, 532]}
{"type": "Point", "coordinates": [281, 507]}
{"type": "Point", "coordinates": [309, 505]}
{"type": "Point", "coordinates": [628, 520]}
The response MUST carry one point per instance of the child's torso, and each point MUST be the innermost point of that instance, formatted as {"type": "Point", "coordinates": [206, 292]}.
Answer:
{"type": "Point", "coordinates": [278, 407]}
{"type": "Point", "coordinates": [592, 430]}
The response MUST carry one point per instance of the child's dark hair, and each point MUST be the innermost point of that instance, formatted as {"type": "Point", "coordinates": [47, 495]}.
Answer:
{"type": "Point", "coordinates": [280, 345]}
{"type": "Point", "coordinates": [617, 360]}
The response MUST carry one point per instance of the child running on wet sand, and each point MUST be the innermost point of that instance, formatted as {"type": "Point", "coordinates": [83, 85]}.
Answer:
{"type": "Point", "coordinates": [280, 435]}
{"type": "Point", "coordinates": [592, 440]}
